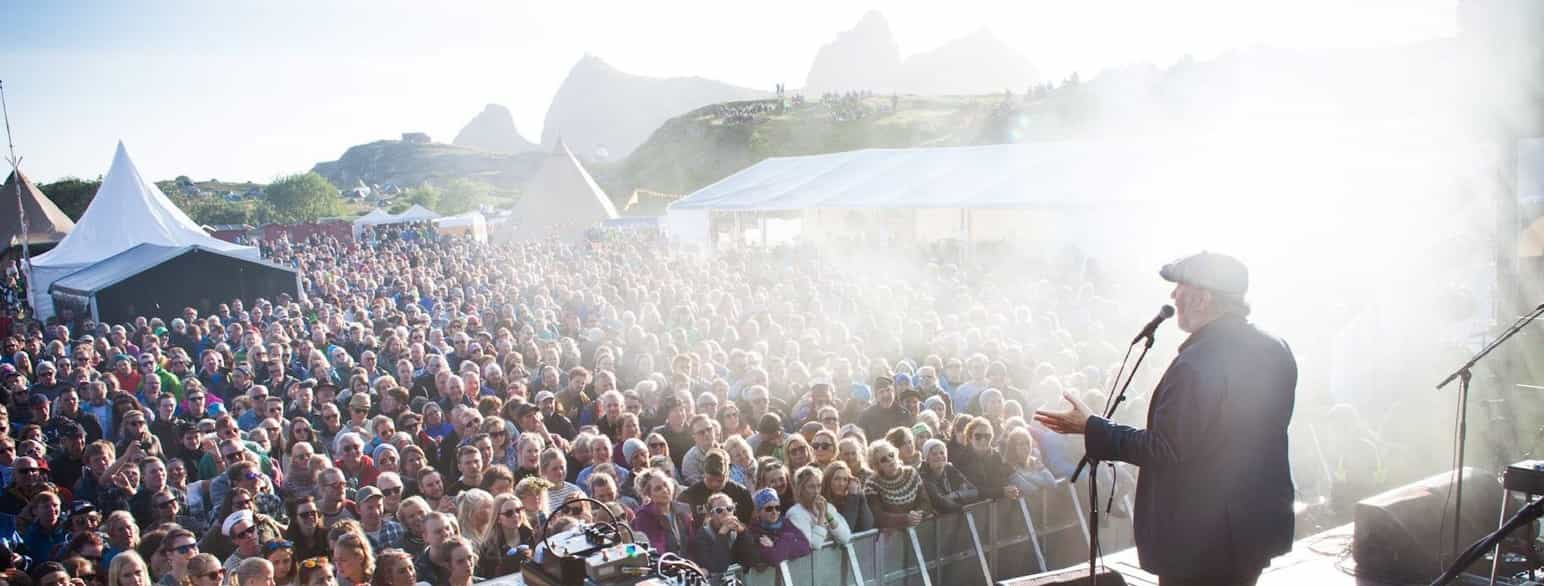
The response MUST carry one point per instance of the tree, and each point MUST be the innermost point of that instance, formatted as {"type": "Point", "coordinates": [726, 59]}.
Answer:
{"type": "Point", "coordinates": [462, 195]}
{"type": "Point", "coordinates": [423, 195]}
{"type": "Point", "coordinates": [72, 195]}
{"type": "Point", "coordinates": [303, 197]}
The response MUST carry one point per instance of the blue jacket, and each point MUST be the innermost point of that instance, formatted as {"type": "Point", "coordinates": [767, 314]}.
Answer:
{"type": "Point", "coordinates": [1215, 494]}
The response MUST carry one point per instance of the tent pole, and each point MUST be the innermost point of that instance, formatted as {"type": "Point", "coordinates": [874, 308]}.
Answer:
{"type": "Point", "coordinates": [21, 210]}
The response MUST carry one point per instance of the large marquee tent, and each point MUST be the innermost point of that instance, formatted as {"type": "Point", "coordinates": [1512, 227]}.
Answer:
{"type": "Point", "coordinates": [127, 211]}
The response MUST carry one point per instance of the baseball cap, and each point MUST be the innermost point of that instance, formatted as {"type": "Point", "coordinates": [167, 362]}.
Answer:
{"type": "Point", "coordinates": [1209, 270]}
{"type": "Point", "coordinates": [366, 493]}
{"type": "Point", "coordinates": [543, 396]}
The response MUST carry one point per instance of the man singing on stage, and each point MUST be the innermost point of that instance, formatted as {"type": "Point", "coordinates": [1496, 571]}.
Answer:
{"type": "Point", "coordinates": [1214, 498]}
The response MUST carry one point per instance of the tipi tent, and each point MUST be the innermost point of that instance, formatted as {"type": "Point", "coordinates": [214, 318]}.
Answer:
{"type": "Point", "coordinates": [126, 212]}
{"type": "Point", "coordinates": [46, 223]}
{"type": "Point", "coordinates": [561, 199]}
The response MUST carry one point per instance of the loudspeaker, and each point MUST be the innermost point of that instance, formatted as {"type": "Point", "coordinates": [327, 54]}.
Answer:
{"type": "Point", "coordinates": [1068, 577]}
{"type": "Point", "coordinates": [1402, 535]}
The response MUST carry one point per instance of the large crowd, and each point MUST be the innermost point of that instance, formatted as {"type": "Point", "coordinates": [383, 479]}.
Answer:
{"type": "Point", "coordinates": [428, 410]}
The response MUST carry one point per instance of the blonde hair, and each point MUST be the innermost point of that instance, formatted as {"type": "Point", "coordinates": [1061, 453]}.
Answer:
{"type": "Point", "coordinates": [123, 559]}
{"type": "Point", "coordinates": [468, 503]}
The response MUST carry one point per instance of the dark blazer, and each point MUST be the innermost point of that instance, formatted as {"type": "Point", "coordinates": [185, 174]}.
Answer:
{"type": "Point", "coordinates": [1215, 493]}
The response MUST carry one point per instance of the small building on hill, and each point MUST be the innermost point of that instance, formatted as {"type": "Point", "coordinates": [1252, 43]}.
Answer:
{"type": "Point", "coordinates": [415, 137]}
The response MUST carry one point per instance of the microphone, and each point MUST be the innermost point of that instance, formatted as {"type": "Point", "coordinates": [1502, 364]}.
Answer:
{"type": "Point", "coordinates": [1165, 312]}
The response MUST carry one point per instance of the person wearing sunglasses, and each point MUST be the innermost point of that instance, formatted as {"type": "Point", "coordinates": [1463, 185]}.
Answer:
{"type": "Point", "coordinates": [984, 465]}
{"type": "Point", "coordinates": [773, 539]}
{"type": "Point", "coordinates": [501, 553]}
{"type": "Point", "coordinates": [894, 490]}
{"type": "Point", "coordinates": [178, 548]}
{"type": "Point", "coordinates": [241, 528]}
{"type": "Point", "coordinates": [724, 539]}
{"type": "Point", "coordinates": [205, 570]}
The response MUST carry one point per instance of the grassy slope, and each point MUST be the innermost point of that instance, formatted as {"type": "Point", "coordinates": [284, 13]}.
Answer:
{"type": "Point", "coordinates": [700, 147]}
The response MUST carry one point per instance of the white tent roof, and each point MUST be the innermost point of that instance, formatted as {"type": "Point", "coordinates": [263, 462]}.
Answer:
{"type": "Point", "coordinates": [417, 213]}
{"type": "Point", "coordinates": [1066, 174]}
{"type": "Point", "coordinates": [127, 211]}
{"type": "Point", "coordinates": [561, 198]}
{"type": "Point", "coordinates": [376, 216]}
{"type": "Point", "coordinates": [471, 218]}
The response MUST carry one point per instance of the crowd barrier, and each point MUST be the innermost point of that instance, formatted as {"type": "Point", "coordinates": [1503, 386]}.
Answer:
{"type": "Point", "coordinates": [985, 542]}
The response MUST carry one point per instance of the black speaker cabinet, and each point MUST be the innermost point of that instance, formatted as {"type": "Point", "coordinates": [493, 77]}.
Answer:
{"type": "Point", "coordinates": [1403, 535]}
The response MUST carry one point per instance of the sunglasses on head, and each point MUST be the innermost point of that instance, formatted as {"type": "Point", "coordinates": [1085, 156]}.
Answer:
{"type": "Point", "coordinates": [315, 562]}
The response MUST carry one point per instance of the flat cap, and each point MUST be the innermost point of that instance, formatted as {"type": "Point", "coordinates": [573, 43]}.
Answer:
{"type": "Point", "coordinates": [1209, 270]}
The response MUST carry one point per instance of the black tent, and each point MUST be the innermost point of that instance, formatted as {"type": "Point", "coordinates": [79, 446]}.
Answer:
{"type": "Point", "coordinates": [158, 281]}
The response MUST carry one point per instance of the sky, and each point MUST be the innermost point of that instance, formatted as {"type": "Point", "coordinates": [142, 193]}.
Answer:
{"type": "Point", "coordinates": [252, 91]}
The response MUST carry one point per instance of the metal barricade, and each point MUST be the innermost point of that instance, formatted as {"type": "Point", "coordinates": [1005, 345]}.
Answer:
{"type": "Point", "coordinates": [987, 541]}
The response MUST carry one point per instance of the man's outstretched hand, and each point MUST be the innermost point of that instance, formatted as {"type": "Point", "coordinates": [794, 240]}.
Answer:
{"type": "Point", "coordinates": [1073, 419]}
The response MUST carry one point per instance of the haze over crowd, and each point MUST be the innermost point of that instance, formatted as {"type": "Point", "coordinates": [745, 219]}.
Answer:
{"type": "Point", "coordinates": [250, 92]}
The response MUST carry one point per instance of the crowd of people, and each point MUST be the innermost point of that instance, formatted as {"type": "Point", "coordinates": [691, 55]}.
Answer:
{"type": "Point", "coordinates": [428, 411]}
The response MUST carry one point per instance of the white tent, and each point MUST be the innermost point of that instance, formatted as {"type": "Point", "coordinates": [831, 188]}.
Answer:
{"type": "Point", "coordinates": [417, 213]}
{"type": "Point", "coordinates": [126, 212]}
{"type": "Point", "coordinates": [561, 199]}
{"type": "Point", "coordinates": [473, 223]}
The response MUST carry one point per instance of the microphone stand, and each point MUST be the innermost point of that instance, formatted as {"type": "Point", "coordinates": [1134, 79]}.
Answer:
{"type": "Point", "coordinates": [1093, 475]}
{"type": "Point", "coordinates": [1463, 374]}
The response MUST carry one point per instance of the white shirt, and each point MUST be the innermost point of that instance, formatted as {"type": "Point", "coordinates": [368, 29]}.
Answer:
{"type": "Point", "coordinates": [819, 534]}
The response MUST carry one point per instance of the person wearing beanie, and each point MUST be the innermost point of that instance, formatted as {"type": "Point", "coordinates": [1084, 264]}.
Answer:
{"type": "Point", "coordinates": [949, 490]}
{"type": "Point", "coordinates": [773, 539]}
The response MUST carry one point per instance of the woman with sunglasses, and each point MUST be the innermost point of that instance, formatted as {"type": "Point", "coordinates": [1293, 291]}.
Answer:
{"type": "Point", "coordinates": [501, 554]}
{"type": "Point", "coordinates": [823, 444]}
{"type": "Point", "coordinates": [773, 539]}
{"type": "Point", "coordinates": [204, 570]}
{"type": "Point", "coordinates": [178, 548]}
{"type": "Point", "coordinates": [666, 522]}
{"type": "Point", "coordinates": [128, 569]}
{"type": "Point", "coordinates": [985, 466]}
{"type": "Point", "coordinates": [796, 452]}
{"type": "Point", "coordinates": [723, 539]}
{"type": "Point", "coordinates": [895, 491]}
{"type": "Point", "coordinates": [305, 529]}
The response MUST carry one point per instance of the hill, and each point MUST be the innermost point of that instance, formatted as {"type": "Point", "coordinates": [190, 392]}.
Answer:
{"type": "Point", "coordinates": [407, 164]}
{"type": "Point", "coordinates": [866, 58]}
{"type": "Point", "coordinates": [602, 112]}
{"type": "Point", "coordinates": [1414, 89]}
{"type": "Point", "coordinates": [493, 130]}
{"type": "Point", "coordinates": [710, 143]}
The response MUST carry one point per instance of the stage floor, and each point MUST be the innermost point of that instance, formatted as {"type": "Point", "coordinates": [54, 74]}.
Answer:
{"type": "Point", "coordinates": [1318, 560]}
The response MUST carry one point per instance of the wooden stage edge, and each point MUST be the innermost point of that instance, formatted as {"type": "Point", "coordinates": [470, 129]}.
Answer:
{"type": "Point", "coordinates": [1323, 559]}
